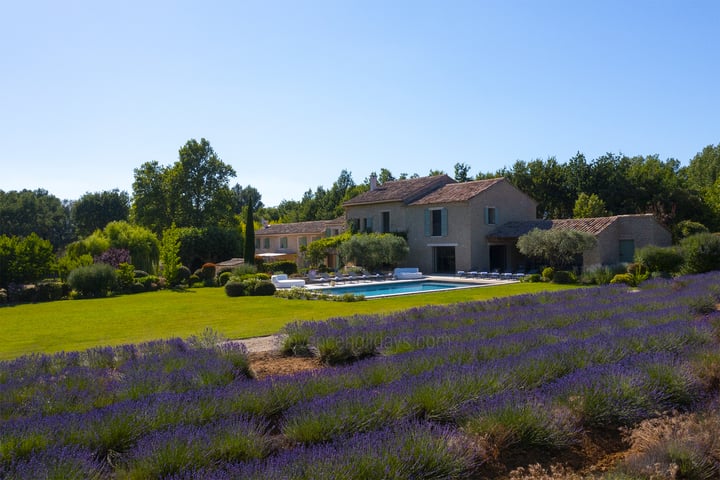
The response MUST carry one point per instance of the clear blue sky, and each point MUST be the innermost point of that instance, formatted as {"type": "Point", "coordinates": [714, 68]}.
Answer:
{"type": "Point", "coordinates": [292, 92]}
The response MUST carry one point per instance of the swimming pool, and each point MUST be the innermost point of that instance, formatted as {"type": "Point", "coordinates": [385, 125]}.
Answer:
{"type": "Point", "coordinates": [382, 289]}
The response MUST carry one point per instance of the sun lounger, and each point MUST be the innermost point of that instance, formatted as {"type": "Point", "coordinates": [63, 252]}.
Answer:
{"type": "Point", "coordinates": [407, 273]}
{"type": "Point", "coordinates": [282, 281]}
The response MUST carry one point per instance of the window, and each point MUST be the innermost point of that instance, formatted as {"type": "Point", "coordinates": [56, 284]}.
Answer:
{"type": "Point", "coordinates": [367, 225]}
{"type": "Point", "coordinates": [283, 242]}
{"type": "Point", "coordinates": [436, 222]}
{"type": "Point", "coordinates": [266, 243]}
{"type": "Point", "coordinates": [302, 241]}
{"type": "Point", "coordinates": [257, 244]}
{"type": "Point", "coordinates": [385, 222]}
{"type": "Point", "coordinates": [491, 215]}
{"type": "Point", "coordinates": [354, 225]}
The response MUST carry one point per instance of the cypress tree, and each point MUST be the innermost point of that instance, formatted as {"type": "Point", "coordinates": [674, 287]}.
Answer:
{"type": "Point", "coordinates": [249, 247]}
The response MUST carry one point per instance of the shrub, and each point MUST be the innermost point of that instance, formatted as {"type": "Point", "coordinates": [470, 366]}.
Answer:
{"type": "Point", "coordinates": [263, 288]}
{"type": "Point", "coordinates": [235, 289]}
{"type": "Point", "coordinates": [701, 252]}
{"type": "Point", "coordinates": [667, 260]}
{"type": "Point", "coordinates": [532, 278]}
{"type": "Point", "coordinates": [207, 272]}
{"type": "Point", "coordinates": [285, 266]}
{"type": "Point", "coordinates": [547, 274]}
{"type": "Point", "coordinates": [184, 274]}
{"type": "Point", "coordinates": [50, 290]}
{"type": "Point", "coordinates": [137, 288]}
{"type": "Point", "coordinates": [625, 278]}
{"type": "Point", "coordinates": [94, 280]}
{"type": "Point", "coordinates": [564, 277]}
{"type": "Point", "coordinates": [223, 278]}
{"type": "Point", "coordinates": [601, 275]}
{"type": "Point", "coordinates": [193, 280]}
{"type": "Point", "coordinates": [125, 276]}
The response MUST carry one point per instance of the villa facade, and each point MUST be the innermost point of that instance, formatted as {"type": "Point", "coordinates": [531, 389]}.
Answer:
{"type": "Point", "coordinates": [451, 226]}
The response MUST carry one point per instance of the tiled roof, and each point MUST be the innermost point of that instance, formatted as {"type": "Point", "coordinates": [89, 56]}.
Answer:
{"type": "Point", "coordinates": [593, 226]}
{"type": "Point", "coordinates": [315, 227]}
{"type": "Point", "coordinates": [457, 192]}
{"type": "Point", "coordinates": [405, 191]}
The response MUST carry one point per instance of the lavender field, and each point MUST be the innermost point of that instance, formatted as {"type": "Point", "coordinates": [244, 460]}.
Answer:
{"type": "Point", "coordinates": [432, 393]}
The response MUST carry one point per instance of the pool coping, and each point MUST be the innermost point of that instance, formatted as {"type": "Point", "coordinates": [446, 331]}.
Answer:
{"type": "Point", "coordinates": [468, 282]}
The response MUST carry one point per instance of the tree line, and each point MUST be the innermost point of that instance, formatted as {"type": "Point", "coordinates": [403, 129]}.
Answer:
{"type": "Point", "coordinates": [194, 195]}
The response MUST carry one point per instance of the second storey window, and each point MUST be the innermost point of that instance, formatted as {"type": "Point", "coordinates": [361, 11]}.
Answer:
{"type": "Point", "coordinates": [436, 222]}
{"type": "Point", "coordinates": [266, 243]}
{"type": "Point", "coordinates": [283, 242]}
{"type": "Point", "coordinates": [491, 215]}
{"type": "Point", "coordinates": [385, 222]}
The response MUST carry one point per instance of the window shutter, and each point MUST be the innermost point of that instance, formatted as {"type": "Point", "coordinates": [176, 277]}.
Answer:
{"type": "Point", "coordinates": [428, 225]}
{"type": "Point", "coordinates": [487, 216]}
{"type": "Point", "coordinates": [370, 224]}
{"type": "Point", "coordinates": [444, 222]}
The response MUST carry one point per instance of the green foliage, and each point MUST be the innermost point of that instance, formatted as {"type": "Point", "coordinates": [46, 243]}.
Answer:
{"type": "Point", "coordinates": [564, 277]}
{"type": "Point", "coordinates": [193, 192]}
{"type": "Point", "coordinates": [316, 252]}
{"type": "Point", "coordinates": [95, 210]}
{"type": "Point", "coordinates": [557, 248]}
{"type": "Point", "coordinates": [94, 280]}
{"type": "Point", "coordinates": [665, 260]}
{"type": "Point", "coordinates": [24, 260]}
{"type": "Point", "coordinates": [636, 274]}
{"type": "Point", "coordinates": [142, 244]}
{"type": "Point", "coordinates": [234, 288]}
{"type": "Point", "coordinates": [249, 245]}
{"type": "Point", "coordinates": [211, 244]}
{"type": "Point", "coordinates": [287, 267]}
{"type": "Point", "coordinates": [548, 273]}
{"type": "Point", "coordinates": [589, 206]}
{"type": "Point", "coordinates": [68, 263]}
{"type": "Point", "coordinates": [125, 277]}
{"type": "Point", "coordinates": [261, 288]}
{"type": "Point", "coordinates": [223, 278]}
{"type": "Point", "coordinates": [48, 291]}
{"type": "Point", "coordinates": [532, 278]}
{"type": "Point", "coordinates": [374, 250]}
{"type": "Point", "coordinates": [25, 212]}
{"type": "Point", "coordinates": [687, 228]}
{"type": "Point", "coordinates": [93, 245]}
{"type": "Point", "coordinates": [701, 252]}
{"type": "Point", "coordinates": [298, 293]}
{"type": "Point", "coordinates": [170, 255]}
{"type": "Point", "coordinates": [602, 275]}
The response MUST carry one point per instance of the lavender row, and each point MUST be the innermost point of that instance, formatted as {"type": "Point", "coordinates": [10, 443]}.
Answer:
{"type": "Point", "coordinates": [398, 451]}
{"type": "Point", "coordinates": [80, 381]}
{"type": "Point", "coordinates": [440, 392]}
{"type": "Point", "coordinates": [345, 339]}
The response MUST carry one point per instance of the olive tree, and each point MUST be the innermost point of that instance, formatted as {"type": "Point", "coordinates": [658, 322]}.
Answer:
{"type": "Point", "coordinates": [556, 248]}
{"type": "Point", "coordinates": [374, 250]}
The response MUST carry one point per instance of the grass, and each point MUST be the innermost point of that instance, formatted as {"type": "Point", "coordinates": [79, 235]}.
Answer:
{"type": "Point", "coordinates": [81, 324]}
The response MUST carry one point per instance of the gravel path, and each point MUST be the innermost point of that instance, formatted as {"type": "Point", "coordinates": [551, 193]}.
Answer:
{"type": "Point", "coordinates": [262, 344]}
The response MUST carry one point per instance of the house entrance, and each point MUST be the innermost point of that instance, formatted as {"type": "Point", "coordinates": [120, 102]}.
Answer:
{"type": "Point", "coordinates": [498, 258]}
{"type": "Point", "coordinates": [444, 259]}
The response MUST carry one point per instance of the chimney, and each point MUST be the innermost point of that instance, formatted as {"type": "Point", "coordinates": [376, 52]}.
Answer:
{"type": "Point", "coordinates": [373, 181]}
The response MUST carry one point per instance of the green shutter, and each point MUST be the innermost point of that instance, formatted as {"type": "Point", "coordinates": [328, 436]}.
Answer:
{"type": "Point", "coordinates": [444, 222]}
{"type": "Point", "coordinates": [428, 223]}
{"type": "Point", "coordinates": [487, 216]}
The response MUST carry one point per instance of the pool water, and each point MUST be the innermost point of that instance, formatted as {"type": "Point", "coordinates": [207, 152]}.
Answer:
{"type": "Point", "coordinates": [381, 289]}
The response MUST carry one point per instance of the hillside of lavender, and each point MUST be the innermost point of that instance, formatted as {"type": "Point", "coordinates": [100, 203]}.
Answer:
{"type": "Point", "coordinates": [438, 392]}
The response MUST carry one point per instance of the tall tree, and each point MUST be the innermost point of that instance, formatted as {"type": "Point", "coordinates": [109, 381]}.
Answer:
{"type": "Point", "coordinates": [25, 212]}
{"type": "Point", "coordinates": [95, 210]}
{"type": "Point", "coordinates": [462, 172]}
{"type": "Point", "coordinates": [249, 247]}
{"type": "Point", "coordinates": [192, 192]}
{"type": "Point", "coordinates": [589, 206]}
{"type": "Point", "coordinates": [201, 182]}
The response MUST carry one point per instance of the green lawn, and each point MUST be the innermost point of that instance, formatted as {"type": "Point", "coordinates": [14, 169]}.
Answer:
{"type": "Point", "coordinates": [80, 324]}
